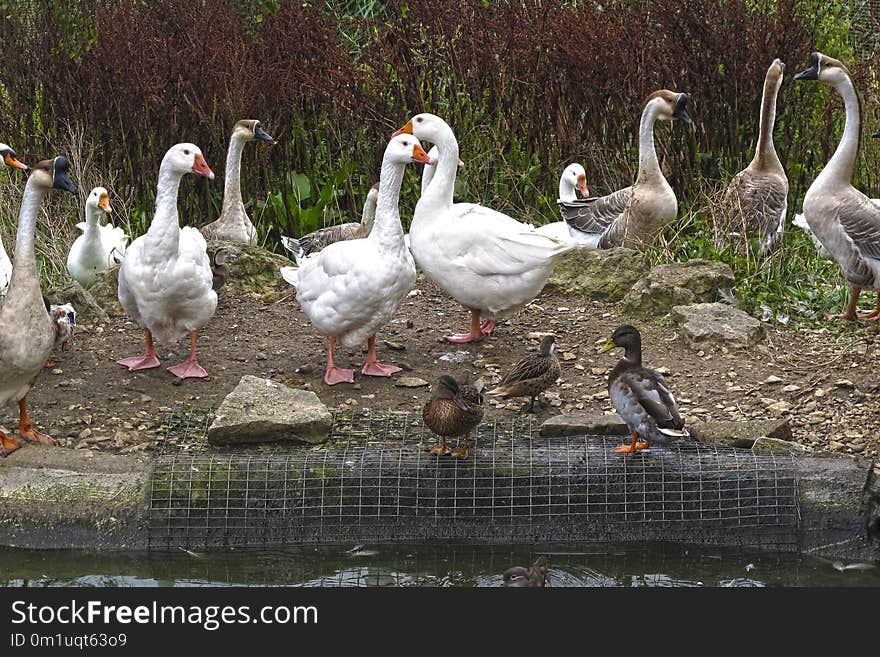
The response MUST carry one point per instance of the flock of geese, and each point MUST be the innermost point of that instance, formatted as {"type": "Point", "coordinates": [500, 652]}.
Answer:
{"type": "Point", "coordinates": [351, 279]}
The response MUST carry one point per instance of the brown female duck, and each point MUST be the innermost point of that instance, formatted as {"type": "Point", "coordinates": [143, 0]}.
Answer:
{"type": "Point", "coordinates": [536, 575]}
{"type": "Point", "coordinates": [532, 375]}
{"type": "Point", "coordinates": [453, 412]}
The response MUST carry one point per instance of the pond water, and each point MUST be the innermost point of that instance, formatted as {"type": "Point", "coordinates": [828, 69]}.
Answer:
{"type": "Point", "coordinates": [431, 565]}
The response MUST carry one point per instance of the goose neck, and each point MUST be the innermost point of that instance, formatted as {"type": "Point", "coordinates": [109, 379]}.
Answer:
{"type": "Point", "coordinates": [24, 261]}
{"type": "Point", "coordinates": [765, 153]}
{"type": "Point", "coordinates": [386, 228]}
{"type": "Point", "coordinates": [649, 167]}
{"type": "Point", "coordinates": [93, 220]}
{"type": "Point", "coordinates": [232, 183]}
{"type": "Point", "coordinates": [441, 189]}
{"type": "Point", "coordinates": [840, 167]}
{"type": "Point", "coordinates": [566, 191]}
{"type": "Point", "coordinates": [165, 225]}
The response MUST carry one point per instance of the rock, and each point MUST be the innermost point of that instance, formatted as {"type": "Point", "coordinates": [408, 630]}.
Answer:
{"type": "Point", "coordinates": [779, 408]}
{"type": "Point", "coordinates": [84, 303]}
{"type": "Point", "coordinates": [679, 284]}
{"type": "Point", "coordinates": [717, 323]}
{"type": "Point", "coordinates": [261, 410]}
{"type": "Point", "coordinates": [774, 445]}
{"type": "Point", "coordinates": [772, 379]}
{"type": "Point", "coordinates": [592, 424]}
{"type": "Point", "coordinates": [254, 270]}
{"type": "Point", "coordinates": [599, 275]}
{"type": "Point", "coordinates": [739, 434]}
{"type": "Point", "coordinates": [410, 382]}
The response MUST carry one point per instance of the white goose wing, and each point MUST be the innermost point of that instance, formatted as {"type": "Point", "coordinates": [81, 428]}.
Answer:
{"type": "Point", "coordinates": [114, 241]}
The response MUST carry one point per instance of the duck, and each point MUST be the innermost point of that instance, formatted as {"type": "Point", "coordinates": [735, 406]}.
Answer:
{"type": "Point", "coordinates": [27, 333]}
{"type": "Point", "coordinates": [532, 375]}
{"type": "Point", "coordinates": [490, 263]}
{"type": "Point", "coordinates": [63, 318]}
{"type": "Point", "coordinates": [99, 247]}
{"type": "Point", "coordinates": [537, 575]}
{"type": "Point", "coordinates": [756, 200]}
{"type": "Point", "coordinates": [633, 216]}
{"type": "Point", "coordinates": [233, 225]}
{"type": "Point", "coordinates": [640, 395]}
{"type": "Point", "coordinates": [220, 267]}
{"type": "Point", "coordinates": [166, 282]}
{"type": "Point", "coordinates": [572, 180]}
{"type": "Point", "coordinates": [454, 411]}
{"type": "Point", "coordinates": [353, 288]}
{"type": "Point", "coordinates": [9, 159]}
{"type": "Point", "coordinates": [313, 242]}
{"type": "Point", "coordinates": [843, 219]}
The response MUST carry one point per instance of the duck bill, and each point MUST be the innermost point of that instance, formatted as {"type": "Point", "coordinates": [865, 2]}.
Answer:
{"type": "Point", "coordinates": [104, 203]}
{"type": "Point", "coordinates": [10, 160]}
{"type": "Point", "coordinates": [259, 133]}
{"type": "Point", "coordinates": [582, 185]}
{"type": "Point", "coordinates": [200, 166]}
{"type": "Point", "coordinates": [811, 73]}
{"type": "Point", "coordinates": [405, 130]}
{"type": "Point", "coordinates": [608, 346]}
{"type": "Point", "coordinates": [419, 155]}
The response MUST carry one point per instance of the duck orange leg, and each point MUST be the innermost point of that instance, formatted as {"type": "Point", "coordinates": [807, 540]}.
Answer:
{"type": "Point", "coordinates": [874, 314]}
{"type": "Point", "coordinates": [334, 374]}
{"type": "Point", "coordinates": [148, 361]}
{"type": "Point", "coordinates": [850, 311]}
{"type": "Point", "coordinates": [372, 366]}
{"type": "Point", "coordinates": [462, 451]}
{"type": "Point", "coordinates": [8, 444]}
{"type": "Point", "coordinates": [634, 446]}
{"type": "Point", "coordinates": [190, 368]}
{"type": "Point", "coordinates": [476, 334]}
{"type": "Point", "coordinates": [26, 430]}
{"type": "Point", "coordinates": [442, 449]}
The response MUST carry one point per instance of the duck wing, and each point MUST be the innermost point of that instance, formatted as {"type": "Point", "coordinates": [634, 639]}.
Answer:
{"type": "Point", "coordinates": [652, 393]}
{"type": "Point", "coordinates": [530, 367]}
{"type": "Point", "coordinates": [595, 215]}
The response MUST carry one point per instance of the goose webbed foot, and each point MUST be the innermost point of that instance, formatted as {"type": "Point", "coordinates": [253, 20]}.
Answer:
{"type": "Point", "coordinates": [146, 362]}
{"type": "Point", "coordinates": [335, 375]}
{"type": "Point", "coordinates": [190, 368]}
{"type": "Point", "coordinates": [488, 327]}
{"type": "Point", "coordinates": [850, 311]}
{"type": "Point", "coordinates": [372, 366]}
{"type": "Point", "coordinates": [27, 430]}
{"type": "Point", "coordinates": [9, 444]}
{"type": "Point", "coordinates": [477, 332]}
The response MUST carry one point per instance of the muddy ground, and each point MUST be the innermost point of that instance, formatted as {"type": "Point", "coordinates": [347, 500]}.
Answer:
{"type": "Point", "coordinates": [826, 379]}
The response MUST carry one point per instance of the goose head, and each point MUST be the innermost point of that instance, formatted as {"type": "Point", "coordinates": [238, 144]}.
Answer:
{"type": "Point", "coordinates": [7, 156]}
{"type": "Point", "coordinates": [427, 127]}
{"type": "Point", "coordinates": [775, 73]}
{"type": "Point", "coordinates": [404, 148]}
{"type": "Point", "coordinates": [99, 199]}
{"type": "Point", "coordinates": [669, 105]}
{"type": "Point", "coordinates": [574, 177]}
{"type": "Point", "coordinates": [825, 69]}
{"type": "Point", "coordinates": [53, 174]}
{"type": "Point", "coordinates": [249, 130]}
{"type": "Point", "coordinates": [186, 158]}
{"type": "Point", "coordinates": [373, 194]}
{"type": "Point", "coordinates": [876, 135]}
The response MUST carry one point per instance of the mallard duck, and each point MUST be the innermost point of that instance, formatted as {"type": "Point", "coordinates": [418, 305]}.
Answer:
{"type": "Point", "coordinates": [7, 157]}
{"type": "Point", "coordinates": [99, 247]}
{"type": "Point", "coordinates": [220, 267]}
{"type": "Point", "coordinates": [233, 225]}
{"type": "Point", "coordinates": [165, 283]}
{"type": "Point", "coordinates": [453, 411]}
{"type": "Point", "coordinates": [488, 262]}
{"type": "Point", "coordinates": [532, 375]}
{"type": "Point", "coordinates": [843, 219]}
{"type": "Point", "coordinates": [353, 288]}
{"type": "Point", "coordinates": [27, 334]}
{"type": "Point", "coordinates": [313, 242]}
{"type": "Point", "coordinates": [536, 575]}
{"type": "Point", "coordinates": [633, 216]}
{"type": "Point", "coordinates": [640, 395]}
{"type": "Point", "coordinates": [756, 200]}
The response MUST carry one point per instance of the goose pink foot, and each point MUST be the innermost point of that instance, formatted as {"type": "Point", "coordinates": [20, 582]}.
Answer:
{"type": "Point", "coordinates": [463, 338]}
{"type": "Point", "coordinates": [379, 369]}
{"type": "Point", "coordinates": [488, 327]}
{"type": "Point", "coordinates": [477, 332]}
{"type": "Point", "coordinates": [335, 375]}
{"type": "Point", "coordinates": [189, 369]}
{"type": "Point", "coordinates": [137, 363]}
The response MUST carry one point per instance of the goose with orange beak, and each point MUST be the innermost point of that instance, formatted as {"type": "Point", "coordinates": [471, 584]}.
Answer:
{"type": "Point", "coordinates": [166, 283]}
{"type": "Point", "coordinates": [100, 246]}
{"type": "Point", "coordinates": [351, 289]}
{"type": "Point", "coordinates": [7, 156]}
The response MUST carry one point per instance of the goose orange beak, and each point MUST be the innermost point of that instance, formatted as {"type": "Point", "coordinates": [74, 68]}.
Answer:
{"type": "Point", "coordinates": [582, 185]}
{"type": "Point", "coordinates": [419, 155]}
{"type": "Point", "coordinates": [201, 167]}
{"type": "Point", "coordinates": [104, 203]}
{"type": "Point", "coordinates": [405, 130]}
{"type": "Point", "coordinates": [11, 161]}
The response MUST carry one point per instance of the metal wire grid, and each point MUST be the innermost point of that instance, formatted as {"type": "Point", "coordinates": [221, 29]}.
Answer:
{"type": "Point", "coordinates": [374, 481]}
{"type": "Point", "coordinates": [865, 27]}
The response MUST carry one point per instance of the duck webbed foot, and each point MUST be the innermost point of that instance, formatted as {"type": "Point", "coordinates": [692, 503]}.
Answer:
{"type": "Point", "coordinates": [633, 446]}
{"type": "Point", "coordinates": [440, 450]}
{"type": "Point", "coordinates": [462, 451]}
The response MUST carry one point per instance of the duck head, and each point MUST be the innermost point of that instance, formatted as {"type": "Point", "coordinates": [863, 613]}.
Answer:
{"type": "Point", "coordinates": [548, 345]}
{"type": "Point", "coordinates": [99, 198]}
{"type": "Point", "coordinates": [405, 148]}
{"type": "Point", "coordinates": [223, 257]}
{"type": "Point", "coordinates": [669, 105]}
{"type": "Point", "coordinates": [250, 129]}
{"type": "Point", "coordinates": [187, 158]}
{"type": "Point", "coordinates": [625, 337]}
{"type": "Point", "coordinates": [7, 156]}
{"type": "Point", "coordinates": [574, 177]}
{"type": "Point", "coordinates": [53, 174]}
{"type": "Point", "coordinates": [825, 69]}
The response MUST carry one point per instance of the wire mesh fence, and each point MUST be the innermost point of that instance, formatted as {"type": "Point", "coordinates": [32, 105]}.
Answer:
{"type": "Point", "coordinates": [374, 481]}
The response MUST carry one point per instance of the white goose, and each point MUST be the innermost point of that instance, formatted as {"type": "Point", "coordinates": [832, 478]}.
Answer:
{"type": "Point", "coordinates": [99, 247]}
{"type": "Point", "coordinates": [633, 216]}
{"type": "Point", "coordinates": [234, 224]}
{"type": "Point", "coordinates": [352, 288]}
{"type": "Point", "coordinates": [756, 200]}
{"type": "Point", "coordinates": [7, 156]}
{"type": "Point", "coordinates": [165, 283]}
{"type": "Point", "coordinates": [27, 334]}
{"type": "Point", "coordinates": [490, 263]}
{"type": "Point", "coordinates": [842, 218]}
{"type": "Point", "coordinates": [573, 178]}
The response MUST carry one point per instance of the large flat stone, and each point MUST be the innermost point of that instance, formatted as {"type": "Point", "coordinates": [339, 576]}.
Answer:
{"type": "Point", "coordinates": [592, 424]}
{"type": "Point", "coordinates": [717, 323]}
{"type": "Point", "coordinates": [600, 275]}
{"type": "Point", "coordinates": [739, 434]}
{"type": "Point", "coordinates": [679, 283]}
{"type": "Point", "coordinates": [262, 410]}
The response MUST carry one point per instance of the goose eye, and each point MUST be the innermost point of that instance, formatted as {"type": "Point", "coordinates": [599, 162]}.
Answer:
{"type": "Point", "coordinates": [419, 119]}
{"type": "Point", "coordinates": [186, 152]}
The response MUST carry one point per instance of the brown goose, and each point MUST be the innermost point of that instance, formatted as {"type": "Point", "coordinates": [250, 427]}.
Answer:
{"type": "Point", "coordinates": [536, 575]}
{"type": "Point", "coordinates": [640, 395]}
{"type": "Point", "coordinates": [453, 412]}
{"type": "Point", "coordinates": [843, 219]}
{"type": "Point", "coordinates": [756, 201]}
{"type": "Point", "coordinates": [532, 375]}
